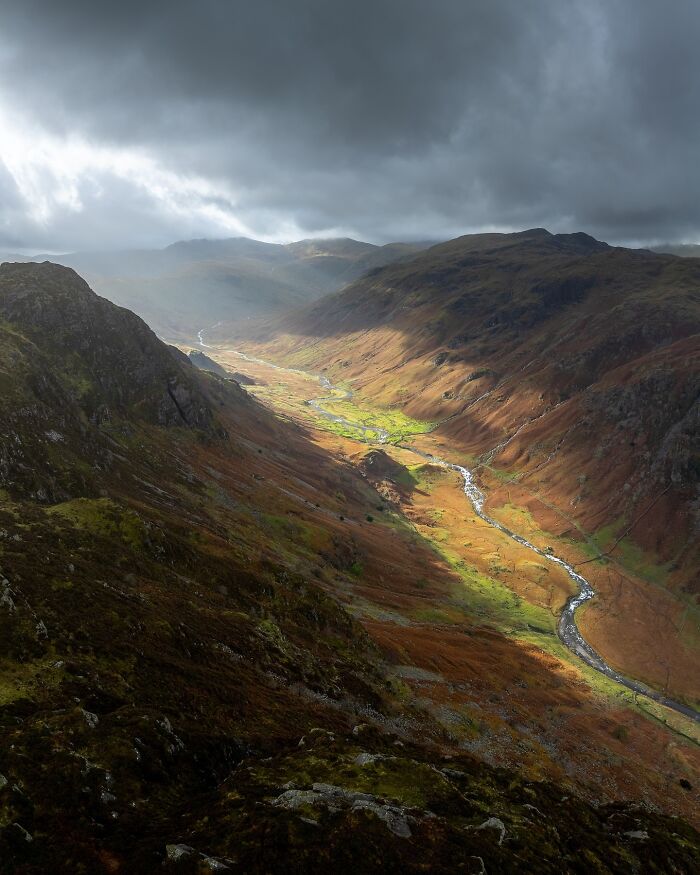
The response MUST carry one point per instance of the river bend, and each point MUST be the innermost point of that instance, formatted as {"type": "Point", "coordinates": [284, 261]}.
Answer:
{"type": "Point", "coordinates": [567, 629]}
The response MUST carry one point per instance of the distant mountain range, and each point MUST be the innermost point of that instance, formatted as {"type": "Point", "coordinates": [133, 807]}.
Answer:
{"type": "Point", "coordinates": [191, 284]}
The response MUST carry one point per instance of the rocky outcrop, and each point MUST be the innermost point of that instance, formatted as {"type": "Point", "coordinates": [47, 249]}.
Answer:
{"type": "Point", "coordinates": [106, 355]}
{"type": "Point", "coordinates": [335, 799]}
{"type": "Point", "coordinates": [204, 363]}
{"type": "Point", "coordinates": [76, 372]}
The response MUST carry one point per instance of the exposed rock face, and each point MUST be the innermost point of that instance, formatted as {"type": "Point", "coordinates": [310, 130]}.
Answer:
{"type": "Point", "coordinates": [337, 798]}
{"type": "Point", "coordinates": [204, 363]}
{"type": "Point", "coordinates": [72, 367]}
{"type": "Point", "coordinates": [112, 353]}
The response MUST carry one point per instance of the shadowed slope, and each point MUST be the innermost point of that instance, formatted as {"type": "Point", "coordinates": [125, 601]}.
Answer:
{"type": "Point", "coordinates": [566, 372]}
{"type": "Point", "coordinates": [180, 688]}
{"type": "Point", "coordinates": [565, 361]}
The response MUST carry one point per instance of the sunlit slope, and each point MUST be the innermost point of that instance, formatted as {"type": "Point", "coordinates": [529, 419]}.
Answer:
{"type": "Point", "coordinates": [562, 362]}
{"type": "Point", "coordinates": [214, 631]}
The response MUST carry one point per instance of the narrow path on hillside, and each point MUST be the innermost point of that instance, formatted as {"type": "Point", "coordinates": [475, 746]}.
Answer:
{"type": "Point", "coordinates": [567, 629]}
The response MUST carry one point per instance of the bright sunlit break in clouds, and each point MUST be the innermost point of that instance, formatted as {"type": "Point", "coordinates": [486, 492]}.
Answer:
{"type": "Point", "coordinates": [135, 124]}
{"type": "Point", "coordinates": [62, 189]}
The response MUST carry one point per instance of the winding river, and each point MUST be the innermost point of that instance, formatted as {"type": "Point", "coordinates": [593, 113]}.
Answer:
{"type": "Point", "coordinates": [567, 628]}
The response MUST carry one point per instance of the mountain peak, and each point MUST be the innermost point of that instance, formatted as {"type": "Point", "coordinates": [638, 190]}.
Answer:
{"type": "Point", "coordinates": [52, 277]}
{"type": "Point", "coordinates": [533, 232]}
{"type": "Point", "coordinates": [107, 354]}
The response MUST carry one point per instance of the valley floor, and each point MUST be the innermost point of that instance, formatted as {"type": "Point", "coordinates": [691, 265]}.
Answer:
{"type": "Point", "coordinates": [475, 641]}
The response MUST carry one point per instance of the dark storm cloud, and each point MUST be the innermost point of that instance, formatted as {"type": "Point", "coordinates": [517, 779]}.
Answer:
{"type": "Point", "coordinates": [382, 119]}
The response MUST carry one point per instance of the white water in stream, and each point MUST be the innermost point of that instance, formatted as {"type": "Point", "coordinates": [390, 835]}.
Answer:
{"type": "Point", "coordinates": [567, 628]}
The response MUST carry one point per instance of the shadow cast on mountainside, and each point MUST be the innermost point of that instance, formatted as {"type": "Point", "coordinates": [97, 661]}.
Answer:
{"type": "Point", "coordinates": [572, 341]}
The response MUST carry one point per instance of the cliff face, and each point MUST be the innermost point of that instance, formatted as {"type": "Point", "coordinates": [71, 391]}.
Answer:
{"type": "Point", "coordinates": [74, 367]}
{"type": "Point", "coordinates": [113, 357]}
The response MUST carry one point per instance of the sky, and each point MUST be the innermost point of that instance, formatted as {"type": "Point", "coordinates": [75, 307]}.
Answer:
{"type": "Point", "coordinates": [134, 124]}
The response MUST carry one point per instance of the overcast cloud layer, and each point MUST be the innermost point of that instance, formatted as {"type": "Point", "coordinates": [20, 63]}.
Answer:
{"type": "Point", "coordinates": [138, 123]}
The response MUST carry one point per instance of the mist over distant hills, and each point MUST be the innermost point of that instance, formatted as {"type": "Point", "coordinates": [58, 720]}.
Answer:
{"type": "Point", "coordinates": [194, 283]}
{"type": "Point", "coordinates": [685, 250]}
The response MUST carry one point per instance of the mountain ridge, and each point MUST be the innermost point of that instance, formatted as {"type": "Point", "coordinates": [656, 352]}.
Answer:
{"type": "Point", "coordinates": [179, 287]}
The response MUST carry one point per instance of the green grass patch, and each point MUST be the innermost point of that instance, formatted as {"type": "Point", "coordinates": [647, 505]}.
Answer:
{"type": "Point", "coordinates": [339, 428]}
{"type": "Point", "coordinates": [492, 600]}
{"type": "Point", "coordinates": [629, 554]}
{"type": "Point", "coordinates": [397, 424]}
{"type": "Point", "coordinates": [502, 475]}
{"type": "Point", "coordinates": [23, 680]}
{"type": "Point", "coordinates": [102, 516]}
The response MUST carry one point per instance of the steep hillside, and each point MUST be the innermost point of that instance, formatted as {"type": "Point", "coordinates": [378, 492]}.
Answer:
{"type": "Point", "coordinates": [195, 283]}
{"type": "Point", "coordinates": [564, 363]}
{"type": "Point", "coordinates": [183, 687]}
{"type": "Point", "coordinates": [71, 362]}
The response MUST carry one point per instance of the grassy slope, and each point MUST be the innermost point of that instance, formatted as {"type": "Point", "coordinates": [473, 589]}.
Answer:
{"type": "Point", "coordinates": [566, 369]}
{"type": "Point", "coordinates": [574, 341]}
{"type": "Point", "coordinates": [427, 610]}
{"type": "Point", "coordinates": [168, 637]}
